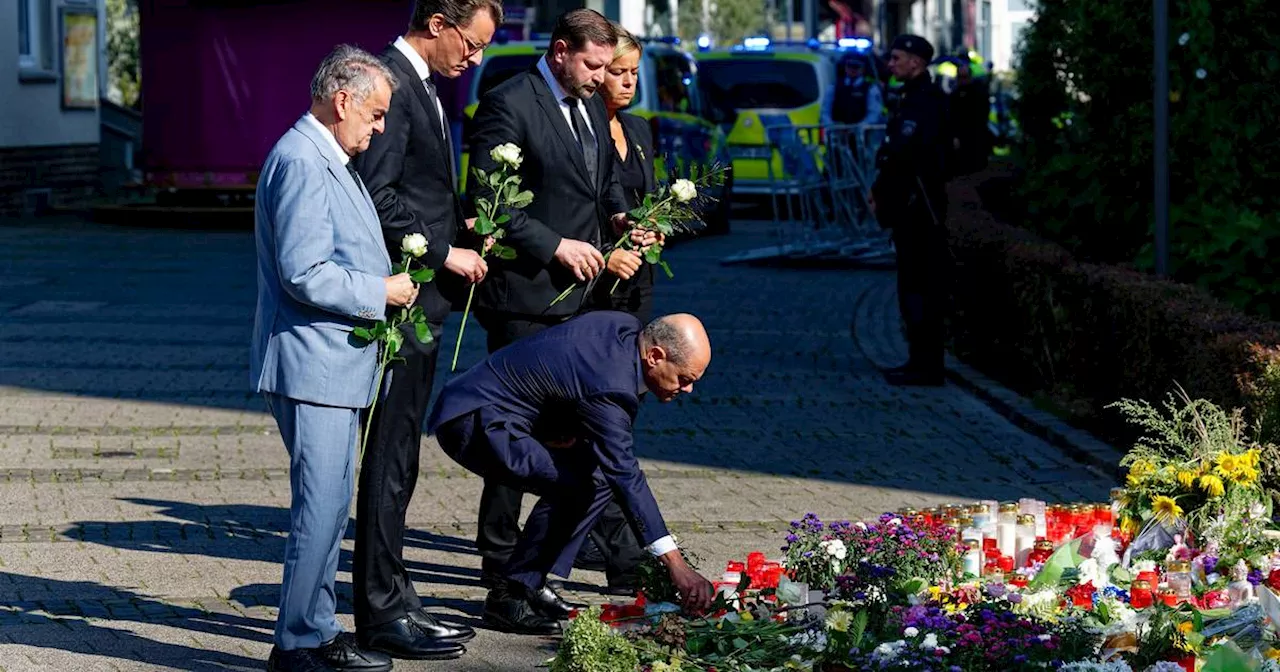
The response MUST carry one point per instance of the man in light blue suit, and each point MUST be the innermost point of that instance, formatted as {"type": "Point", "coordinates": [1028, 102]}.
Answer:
{"type": "Point", "coordinates": [322, 270]}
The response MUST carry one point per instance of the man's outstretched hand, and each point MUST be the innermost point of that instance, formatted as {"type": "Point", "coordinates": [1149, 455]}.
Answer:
{"type": "Point", "coordinates": [696, 592]}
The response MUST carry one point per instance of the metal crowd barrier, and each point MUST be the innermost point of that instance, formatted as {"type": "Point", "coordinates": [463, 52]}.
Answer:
{"type": "Point", "coordinates": [820, 195]}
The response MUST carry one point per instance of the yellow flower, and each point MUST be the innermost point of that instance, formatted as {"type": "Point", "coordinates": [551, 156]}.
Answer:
{"type": "Point", "coordinates": [839, 621]}
{"type": "Point", "coordinates": [1138, 472]}
{"type": "Point", "coordinates": [746, 616]}
{"type": "Point", "coordinates": [1187, 478]}
{"type": "Point", "coordinates": [1212, 485]}
{"type": "Point", "coordinates": [1273, 654]}
{"type": "Point", "coordinates": [1244, 473]}
{"type": "Point", "coordinates": [1226, 465]}
{"type": "Point", "coordinates": [1166, 510]}
{"type": "Point", "coordinates": [1129, 525]}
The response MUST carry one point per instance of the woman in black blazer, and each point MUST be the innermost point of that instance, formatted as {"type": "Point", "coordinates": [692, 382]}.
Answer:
{"type": "Point", "coordinates": [633, 163]}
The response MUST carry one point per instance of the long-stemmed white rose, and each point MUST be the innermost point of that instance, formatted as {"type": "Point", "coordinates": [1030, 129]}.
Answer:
{"type": "Point", "coordinates": [387, 333]}
{"type": "Point", "coordinates": [669, 209]}
{"type": "Point", "coordinates": [505, 185]}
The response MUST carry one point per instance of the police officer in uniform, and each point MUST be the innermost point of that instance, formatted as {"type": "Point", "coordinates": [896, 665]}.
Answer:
{"type": "Point", "coordinates": [909, 198]}
{"type": "Point", "coordinates": [856, 98]}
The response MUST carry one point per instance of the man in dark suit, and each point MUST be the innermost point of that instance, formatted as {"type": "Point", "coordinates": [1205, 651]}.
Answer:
{"type": "Point", "coordinates": [552, 114]}
{"type": "Point", "coordinates": [579, 382]}
{"type": "Point", "coordinates": [411, 175]}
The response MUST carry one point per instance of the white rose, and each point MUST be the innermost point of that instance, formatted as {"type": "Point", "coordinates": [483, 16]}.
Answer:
{"type": "Point", "coordinates": [507, 154]}
{"type": "Point", "coordinates": [414, 244]}
{"type": "Point", "coordinates": [684, 191]}
{"type": "Point", "coordinates": [835, 548]}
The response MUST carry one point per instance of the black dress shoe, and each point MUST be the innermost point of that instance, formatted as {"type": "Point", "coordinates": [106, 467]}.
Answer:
{"type": "Point", "coordinates": [298, 660]}
{"type": "Point", "coordinates": [505, 612]}
{"type": "Point", "coordinates": [402, 638]}
{"type": "Point", "coordinates": [549, 603]}
{"type": "Point", "coordinates": [342, 653]}
{"type": "Point", "coordinates": [590, 557]}
{"type": "Point", "coordinates": [444, 632]}
{"type": "Point", "coordinates": [916, 378]}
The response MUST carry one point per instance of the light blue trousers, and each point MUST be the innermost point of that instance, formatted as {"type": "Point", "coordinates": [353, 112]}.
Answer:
{"type": "Point", "coordinates": [322, 442]}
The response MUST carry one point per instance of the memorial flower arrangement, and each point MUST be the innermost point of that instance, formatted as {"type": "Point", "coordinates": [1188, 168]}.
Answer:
{"type": "Point", "coordinates": [1182, 588]}
{"type": "Point", "coordinates": [503, 185]}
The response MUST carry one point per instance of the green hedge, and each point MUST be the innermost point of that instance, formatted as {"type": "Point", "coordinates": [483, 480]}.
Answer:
{"type": "Point", "coordinates": [1088, 183]}
{"type": "Point", "coordinates": [1084, 335]}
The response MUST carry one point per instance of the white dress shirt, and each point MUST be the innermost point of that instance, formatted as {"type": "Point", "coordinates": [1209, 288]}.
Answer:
{"type": "Point", "coordinates": [558, 91]}
{"type": "Point", "coordinates": [333, 142]}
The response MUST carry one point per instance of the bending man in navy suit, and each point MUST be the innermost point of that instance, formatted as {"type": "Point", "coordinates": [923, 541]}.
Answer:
{"type": "Point", "coordinates": [582, 379]}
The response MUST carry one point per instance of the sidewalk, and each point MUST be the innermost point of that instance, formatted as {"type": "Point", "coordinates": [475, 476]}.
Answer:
{"type": "Point", "coordinates": [144, 491]}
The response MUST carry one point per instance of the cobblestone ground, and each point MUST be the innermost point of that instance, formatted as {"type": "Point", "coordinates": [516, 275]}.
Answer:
{"type": "Point", "coordinates": [144, 492]}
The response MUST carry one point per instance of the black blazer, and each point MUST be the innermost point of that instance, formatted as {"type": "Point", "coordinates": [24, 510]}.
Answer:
{"type": "Point", "coordinates": [522, 110]}
{"type": "Point", "coordinates": [639, 134]}
{"type": "Point", "coordinates": [408, 170]}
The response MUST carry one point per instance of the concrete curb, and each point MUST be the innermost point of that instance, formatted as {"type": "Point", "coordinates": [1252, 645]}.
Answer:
{"type": "Point", "coordinates": [1100, 457]}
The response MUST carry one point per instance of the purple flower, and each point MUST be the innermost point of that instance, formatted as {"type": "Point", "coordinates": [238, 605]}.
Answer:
{"type": "Point", "coordinates": [1210, 563]}
{"type": "Point", "coordinates": [1255, 576]}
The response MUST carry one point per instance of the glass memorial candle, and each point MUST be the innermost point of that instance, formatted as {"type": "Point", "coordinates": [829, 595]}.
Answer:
{"type": "Point", "coordinates": [1006, 529]}
{"type": "Point", "coordinates": [1140, 594]}
{"type": "Point", "coordinates": [1025, 537]}
{"type": "Point", "coordinates": [1178, 576]}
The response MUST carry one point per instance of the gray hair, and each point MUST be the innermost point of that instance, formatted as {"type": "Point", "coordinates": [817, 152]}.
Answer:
{"type": "Point", "coordinates": [663, 334]}
{"type": "Point", "coordinates": [351, 69]}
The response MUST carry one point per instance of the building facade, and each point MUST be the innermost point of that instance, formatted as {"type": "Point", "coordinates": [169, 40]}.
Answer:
{"type": "Point", "coordinates": [52, 73]}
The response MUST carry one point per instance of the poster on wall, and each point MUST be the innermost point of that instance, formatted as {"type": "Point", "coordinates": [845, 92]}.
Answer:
{"type": "Point", "coordinates": [79, 58]}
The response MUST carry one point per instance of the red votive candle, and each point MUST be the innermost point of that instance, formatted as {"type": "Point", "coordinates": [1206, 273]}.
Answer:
{"type": "Point", "coordinates": [755, 562]}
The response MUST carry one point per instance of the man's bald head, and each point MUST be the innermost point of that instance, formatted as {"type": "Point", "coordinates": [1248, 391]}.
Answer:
{"type": "Point", "coordinates": [675, 352]}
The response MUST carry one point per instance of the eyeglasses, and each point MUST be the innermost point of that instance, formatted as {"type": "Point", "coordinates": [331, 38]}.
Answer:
{"type": "Point", "coordinates": [471, 47]}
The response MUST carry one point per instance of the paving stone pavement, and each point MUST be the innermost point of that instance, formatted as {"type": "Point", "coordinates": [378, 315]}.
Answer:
{"type": "Point", "coordinates": [144, 490]}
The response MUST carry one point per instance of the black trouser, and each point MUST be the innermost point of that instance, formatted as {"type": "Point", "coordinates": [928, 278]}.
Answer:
{"type": "Point", "coordinates": [499, 524]}
{"type": "Point", "coordinates": [924, 261]}
{"type": "Point", "coordinates": [633, 296]}
{"type": "Point", "coordinates": [383, 590]}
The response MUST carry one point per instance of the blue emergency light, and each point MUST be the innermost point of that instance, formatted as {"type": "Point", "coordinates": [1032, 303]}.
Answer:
{"type": "Point", "coordinates": [755, 42]}
{"type": "Point", "coordinates": [860, 43]}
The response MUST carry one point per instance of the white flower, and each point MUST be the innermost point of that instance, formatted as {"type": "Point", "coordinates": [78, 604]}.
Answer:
{"type": "Point", "coordinates": [910, 632]}
{"type": "Point", "coordinates": [1088, 572]}
{"type": "Point", "coordinates": [930, 642]}
{"type": "Point", "coordinates": [839, 621]}
{"type": "Point", "coordinates": [507, 154]}
{"type": "Point", "coordinates": [894, 522]}
{"type": "Point", "coordinates": [1201, 73]}
{"type": "Point", "coordinates": [1184, 38]}
{"type": "Point", "coordinates": [834, 548]}
{"type": "Point", "coordinates": [1144, 566]}
{"type": "Point", "coordinates": [684, 191]}
{"type": "Point", "coordinates": [414, 244]}
{"type": "Point", "coordinates": [860, 525]}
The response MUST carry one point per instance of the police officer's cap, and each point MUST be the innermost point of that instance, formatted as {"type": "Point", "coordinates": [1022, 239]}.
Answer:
{"type": "Point", "coordinates": [913, 44]}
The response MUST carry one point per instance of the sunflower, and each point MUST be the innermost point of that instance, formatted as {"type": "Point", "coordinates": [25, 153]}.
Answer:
{"type": "Point", "coordinates": [1212, 485]}
{"type": "Point", "coordinates": [1166, 510]}
{"type": "Point", "coordinates": [1139, 471]}
{"type": "Point", "coordinates": [1187, 478]}
{"type": "Point", "coordinates": [1129, 525]}
{"type": "Point", "coordinates": [1227, 464]}
{"type": "Point", "coordinates": [1244, 473]}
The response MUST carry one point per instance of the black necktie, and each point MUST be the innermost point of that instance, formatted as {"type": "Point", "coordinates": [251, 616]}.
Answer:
{"type": "Point", "coordinates": [355, 176]}
{"type": "Point", "coordinates": [444, 132]}
{"type": "Point", "coordinates": [585, 140]}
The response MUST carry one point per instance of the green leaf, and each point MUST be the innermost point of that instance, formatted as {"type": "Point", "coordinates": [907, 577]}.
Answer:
{"type": "Point", "coordinates": [380, 330]}
{"type": "Point", "coordinates": [394, 341]}
{"type": "Point", "coordinates": [481, 176]}
{"type": "Point", "coordinates": [653, 254]}
{"type": "Point", "coordinates": [499, 234]}
{"type": "Point", "coordinates": [417, 314]}
{"type": "Point", "coordinates": [423, 332]}
{"type": "Point", "coordinates": [362, 332]}
{"type": "Point", "coordinates": [495, 180]}
{"type": "Point", "coordinates": [739, 643]}
{"type": "Point", "coordinates": [503, 252]}
{"type": "Point", "coordinates": [483, 205]}
{"type": "Point", "coordinates": [521, 199]}
{"type": "Point", "coordinates": [510, 191]}
{"type": "Point", "coordinates": [422, 275]}
{"type": "Point", "coordinates": [666, 269]}
{"type": "Point", "coordinates": [502, 218]}
{"type": "Point", "coordinates": [484, 225]}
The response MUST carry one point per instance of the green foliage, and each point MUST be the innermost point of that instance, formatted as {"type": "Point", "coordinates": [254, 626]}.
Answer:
{"type": "Point", "coordinates": [590, 645]}
{"type": "Point", "coordinates": [1086, 115]}
{"type": "Point", "coordinates": [728, 20]}
{"type": "Point", "coordinates": [124, 73]}
{"type": "Point", "coordinates": [653, 579]}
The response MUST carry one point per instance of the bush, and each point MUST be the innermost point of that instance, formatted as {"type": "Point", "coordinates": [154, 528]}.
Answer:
{"type": "Point", "coordinates": [1029, 313]}
{"type": "Point", "coordinates": [1085, 110]}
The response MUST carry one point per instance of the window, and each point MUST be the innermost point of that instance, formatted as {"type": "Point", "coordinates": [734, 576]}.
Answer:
{"type": "Point", "coordinates": [985, 34]}
{"type": "Point", "coordinates": [30, 44]}
{"type": "Point", "coordinates": [1021, 6]}
{"type": "Point", "coordinates": [674, 85]}
{"type": "Point", "coordinates": [749, 83]}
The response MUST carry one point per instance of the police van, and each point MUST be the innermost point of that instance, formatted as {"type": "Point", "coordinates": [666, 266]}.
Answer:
{"type": "Point", "coordinates": [760, 83]}
{"type": "Point", "coordinates": [685, 132]}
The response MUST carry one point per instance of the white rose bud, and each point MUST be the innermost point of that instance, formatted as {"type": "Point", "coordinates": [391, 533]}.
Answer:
{"type": "Point", "coordinates": [684, 191]}
{"type": "Point", "coordinates": [414, 244]}
{"type": "Point", "coordinates": [507, 154]}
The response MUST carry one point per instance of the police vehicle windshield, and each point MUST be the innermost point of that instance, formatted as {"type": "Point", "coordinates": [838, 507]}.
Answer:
{"type": "Point", "coordinates": [744, 83]}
